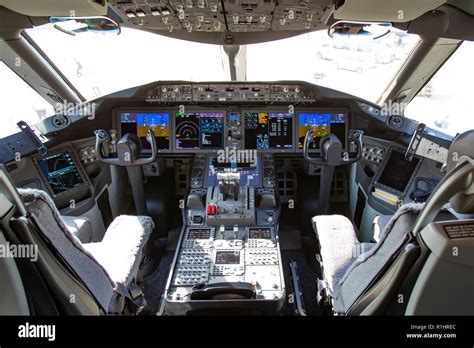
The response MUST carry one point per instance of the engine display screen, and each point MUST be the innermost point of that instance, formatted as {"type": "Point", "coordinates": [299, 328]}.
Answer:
{"type": "Point", "coordinates": [140, 122]}
{"type": "Point", "coordinates": [268, 130]}
{"type": "Point", "coordinates": [398, 171]}
{"type": "Point", "coordinates": [199, 130]}
{"type": "Point", "coordinates": [322, 124]}
{"type": "Point", "coordinates": [60, 172]}
{"type": "Point", "coordinates": [227, 257]}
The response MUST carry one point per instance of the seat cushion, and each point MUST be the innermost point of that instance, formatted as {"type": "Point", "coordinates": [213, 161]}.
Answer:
{"type": "Point", "coordinates": [80, 227]}
{"type": "Point", "coordinates": [339, 246]}
{"type": "Point", "coordinates": [121, 250]}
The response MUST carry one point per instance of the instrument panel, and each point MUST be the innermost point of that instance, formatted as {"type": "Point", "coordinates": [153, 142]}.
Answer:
{"type": "Point", "coordinates": [265, 129]}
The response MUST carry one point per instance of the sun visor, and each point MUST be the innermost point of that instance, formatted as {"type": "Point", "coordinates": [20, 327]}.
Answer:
{"type": "Point", "coordinates": [398, 11]}
{"type": "Point", "coordinates": [59, 8]}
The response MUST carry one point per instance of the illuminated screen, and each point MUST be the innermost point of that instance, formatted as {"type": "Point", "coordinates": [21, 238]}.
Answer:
{"type": "Point", "coordinates": [61, 172]}
{"type": "Point", "coordinates": [322, 124]}
{"type": "Point", "coordinates": [397, 163]}
{"type": "Point", "coordinates": [199, 130]}
{"type": "Point", "coordinates": [140, 122]}
{"type": "Point", "coordinates": [268, 130]}
{"type": "Point", "coordinates": [227, 257]}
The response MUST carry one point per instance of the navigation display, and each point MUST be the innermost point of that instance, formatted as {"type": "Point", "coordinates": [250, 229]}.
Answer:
{"type": "Point", "coordinates": [140, 122]}
{"type": "Point", "coordinates": [199, 130]}
{"type": "Point", "coordinates": [60, 172]}
{"type": "Point", "coordinates": [322, 124]}
{"type": "Point", "coordinates": [268, 130]}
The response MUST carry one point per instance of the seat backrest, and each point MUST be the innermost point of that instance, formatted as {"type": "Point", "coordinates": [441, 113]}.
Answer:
{"type": "Point", "coordinates": [46, 217]}
{"type": "Point", "coordinates": [368, 266]}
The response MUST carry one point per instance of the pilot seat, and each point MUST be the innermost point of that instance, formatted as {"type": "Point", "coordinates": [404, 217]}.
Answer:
{"type": "Point", "coordinates": [109, 269]}
{"type": "Point", "coordinates": [417, 256]}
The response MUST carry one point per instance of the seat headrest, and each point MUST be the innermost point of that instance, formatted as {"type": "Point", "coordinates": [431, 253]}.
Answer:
{"type": "Point", "coordinates": [462, 146]}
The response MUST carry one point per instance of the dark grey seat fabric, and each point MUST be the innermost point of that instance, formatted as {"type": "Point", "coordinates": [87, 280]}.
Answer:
{"type": "Point", "coordinates": [107, 268]}
{"type": "Point", "coordinates": [349, 266]}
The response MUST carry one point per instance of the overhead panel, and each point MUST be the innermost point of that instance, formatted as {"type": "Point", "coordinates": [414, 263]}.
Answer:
{"type": "Point", "coordinates": [236, 16]}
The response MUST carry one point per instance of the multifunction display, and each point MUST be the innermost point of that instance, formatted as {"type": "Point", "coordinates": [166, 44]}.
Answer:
{"type": "Point", "coordinates": [227, 257]}
{"type": "Point", "coordinates": [60, 172]}
{"type": "Point", "coordinates": [199, 130]}
{"type": "Point", "coordinates": [322, 124]}
{"type": "Point", "coordinates": [397, 172]}
{"type": "Point", "coordinates": [140, 122]}
{"type": "Point", "coordinates": [268, 130]}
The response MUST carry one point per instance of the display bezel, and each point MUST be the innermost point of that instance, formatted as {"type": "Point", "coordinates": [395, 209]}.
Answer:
{"type": "Point", "coordinates": [383, 166]}
{"type": "Point", "coordinates": [118, 124]}
{"type": "Point", "coordinates": [85, 180]}
{"type": "Point", "coordinates": [270, 110]}
{"type": "Point", "coordinates": [346, 111]}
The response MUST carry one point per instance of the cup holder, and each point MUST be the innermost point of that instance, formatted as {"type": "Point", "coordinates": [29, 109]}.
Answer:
{"type": "Point", "coordinates": [93, 171]}
{"type": "Point", "coordinates": [370, 170]}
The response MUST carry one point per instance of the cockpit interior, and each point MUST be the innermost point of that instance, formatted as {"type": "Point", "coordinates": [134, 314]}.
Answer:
{"type": "Point", "coordinates": [237, 157]}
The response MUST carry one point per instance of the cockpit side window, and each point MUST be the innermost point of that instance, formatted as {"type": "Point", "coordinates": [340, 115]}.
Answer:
{"type": "Point", "coordinates": [19, 102]}
{"type": "Point", "coordinates": [445, 103]}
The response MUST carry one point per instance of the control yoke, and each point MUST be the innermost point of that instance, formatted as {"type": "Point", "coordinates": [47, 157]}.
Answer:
{"type": "Point", "coordinates": [128, 149]}
{"type": "Point", "coordinates": [128, 155]}
{"type": "Point", "coordinates": [331, 156]}
{"type": "Point", "coordinates": [331, 149]}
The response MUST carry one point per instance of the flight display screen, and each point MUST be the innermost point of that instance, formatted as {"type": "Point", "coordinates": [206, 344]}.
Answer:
{"type": "Point", "coordinates": [227, 257]}
{"type": "Point", "coordinates": [322, 124]}
{"type": "Point", "coordinates": [60, 172]}
{"type": "Point", "coordinates": [268, 130]}
{"type": "Point", "coordinates": [199, 130]}
{"type": "Point", "coordinates": [140, 122]}
{"type": "Point", "coordinates": [398, 171]}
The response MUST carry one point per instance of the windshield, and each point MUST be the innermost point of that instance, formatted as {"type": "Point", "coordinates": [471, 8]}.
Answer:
{"type": "Point", "coordinates": [101, 64]}
{"type": "Point", "coordinates": [353, 64]}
